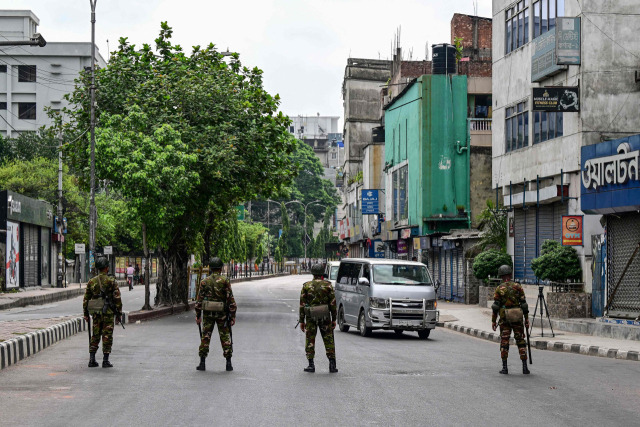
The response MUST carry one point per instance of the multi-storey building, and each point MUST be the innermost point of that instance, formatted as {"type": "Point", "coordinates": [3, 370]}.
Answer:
{"type": "Point", "coordinates": [565, 76]}
{"type": "Point", "coordinates": [34, 78]}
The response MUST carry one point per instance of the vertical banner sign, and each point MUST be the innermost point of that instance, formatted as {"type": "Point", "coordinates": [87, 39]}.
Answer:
{"type": "Point", "coordinates": [13, 255]}
{"type": "Point", "coordinates": [572, 230]}
{"type": "Point", "coordinates": [370, 205]}
{"type": "Point", "coordinates": [376, 250]}
{"type": "Point", "coordinates": [568, 41]}
{"type": "Point", "coordinates": [402, 247]}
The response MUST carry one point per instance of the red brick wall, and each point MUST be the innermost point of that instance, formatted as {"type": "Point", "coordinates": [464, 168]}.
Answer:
{"type": "Point", "coordinates": [414, 69]}
{"type": "Point", "coordinates": [462, 26]}
{"type": "Point", "coordinates": [475, 68]}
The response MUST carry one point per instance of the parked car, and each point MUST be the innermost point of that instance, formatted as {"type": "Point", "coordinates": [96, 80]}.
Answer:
{"type": "Point", "coordinates": [386, 294]}
{"type": "Point", "coordinates": [331, 272]}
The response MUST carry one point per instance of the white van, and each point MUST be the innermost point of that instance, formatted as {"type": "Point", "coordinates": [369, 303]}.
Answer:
{"type": "Point", "coordinates": [385, 294]}
{"type": "Point", "coordinates": [331, 272]}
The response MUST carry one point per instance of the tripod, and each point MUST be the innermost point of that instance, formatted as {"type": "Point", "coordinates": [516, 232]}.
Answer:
{"type": "Point", "coordinates": [543, 305]}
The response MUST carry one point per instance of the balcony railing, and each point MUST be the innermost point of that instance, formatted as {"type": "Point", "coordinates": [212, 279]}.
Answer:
{"type": "Point", "coordinates": [479, 125]}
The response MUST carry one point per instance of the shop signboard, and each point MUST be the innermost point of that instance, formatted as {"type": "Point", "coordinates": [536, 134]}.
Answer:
{"type": "Point", "coordinates": [610, 178]}
{"type": "Point", "coordinates": [416, 244]}
{"type": "Point", "coordinates": [543, 59]}
{"type": "Point", "coordinates": [370, 204]}
{"type": "Point", "coordinates": [376, 249]}
{"type": "Point", "coordinates": [402, 247]}
{"type": "Point", "coordinates": [572, 234]}
{"type": "Point", "coordinates": [562, 99]}
{"type": "Point", "coordinates": [108, 250]}
{"type": "Point", "coordinates": [12, 261]}
{"type": "Point", "coordinates": [568, 41]}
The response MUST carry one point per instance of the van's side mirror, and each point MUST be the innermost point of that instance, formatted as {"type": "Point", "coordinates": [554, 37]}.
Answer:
{"type": "Point", "coordinates": [437, 284]}
{"type": "Point", "coordinates": [363, 281]}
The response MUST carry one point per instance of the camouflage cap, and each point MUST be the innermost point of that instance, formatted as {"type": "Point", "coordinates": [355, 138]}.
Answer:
{"type": "Point", "coordinates": [102, 262]}
{"type": "Point", "coordinates": [215, 263]}
{"type": "Point", "coordinates": [317, 269]}
{"type": "Point", "coordinates": [504, 270]}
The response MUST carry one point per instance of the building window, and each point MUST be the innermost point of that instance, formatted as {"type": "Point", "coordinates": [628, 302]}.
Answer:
{"type": "Point", "coordinates": [26, 73]}
{"type": "Point", "coordinates": [517, 26]}
{"type": "Point", "coordinates": [3, 68]}
{"type": "Point", "coordinates": [27, 110]}
{"type": "Point", "coordinates": [400, 200]}
{"type": "Point", "coordinates": [547, 125]}
{"type": "Point", "coordinates": [517, 127]}
{"type": "Point", "coordinates": [545, 13]}
{"type": "Point", "coordinates": [292, 129]}
{"type": "Point", "coordinates": [3, 105]}
{"type": "Point", "coordinates": [333, 155]}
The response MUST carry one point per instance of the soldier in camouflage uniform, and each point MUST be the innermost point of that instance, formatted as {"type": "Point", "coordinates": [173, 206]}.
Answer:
{"type": "Point", "coordinates": [216, 288]}
{"type": "Point", "coordinates": [104, 292]}
{"type": "Point", "coordinates": [318, 293]}
{"type": "Point", "coordinates": [510, 295]}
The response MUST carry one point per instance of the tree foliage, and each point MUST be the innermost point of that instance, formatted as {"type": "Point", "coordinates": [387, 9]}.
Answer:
{"type": "Point", "coordinates": [493, 224]}
{"type": "Point", "coordinates": [557, 263]}
{"type": "Point", "coordinates": [487, 263]}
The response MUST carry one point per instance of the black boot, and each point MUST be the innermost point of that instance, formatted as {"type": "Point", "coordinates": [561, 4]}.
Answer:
{"type": "Point", "coordinates": [311, 367]}
{"type": "Point", "coordinates": [332, 366]}
{"type": "Point", "coordinates": [525, 369]}
{"type": "Point", "coordinates": [229, 366]}
{"type": "Point", "coordinates": [105, 361]}
{"type": "Point", "coordinates": [92, 359]}
{"type": "Point", "coordinates": [505, 370]}
{"type": "Point", "coordinates": [201, 366]}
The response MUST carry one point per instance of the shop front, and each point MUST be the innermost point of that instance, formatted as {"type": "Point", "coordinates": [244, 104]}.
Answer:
{"type": "Point", "coordinates": [611, 187]}
{"type": "Point", "coordinates": [26, 248]}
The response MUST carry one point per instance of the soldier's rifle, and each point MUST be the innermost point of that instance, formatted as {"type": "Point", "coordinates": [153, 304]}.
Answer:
{"type": "Point", "coordinates": [227, 323]}
{"type": "Point", "coordinates": [110, 304]}
{"type": "Point", "coordinates": [528, 345]}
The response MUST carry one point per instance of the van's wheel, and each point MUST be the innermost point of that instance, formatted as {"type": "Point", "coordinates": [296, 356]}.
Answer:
{"type": "Point", "coordinates": [398, 331]}
{"type": "Point", "coordinates": [424, 333]}
{"type": "Point", "coordinates": [343, 327]}
{"type": "Point", "coordinates": [362, 325]}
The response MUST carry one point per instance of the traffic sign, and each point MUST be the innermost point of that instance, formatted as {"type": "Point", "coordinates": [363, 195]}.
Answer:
{"type": "Point", "coordinates": [80, 248]}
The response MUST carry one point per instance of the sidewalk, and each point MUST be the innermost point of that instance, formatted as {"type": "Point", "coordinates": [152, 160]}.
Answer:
{"type": "Point", "coordinates": [476, 321]}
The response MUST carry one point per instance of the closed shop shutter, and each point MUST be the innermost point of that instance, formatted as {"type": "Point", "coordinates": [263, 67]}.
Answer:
{"type": "Point", "coordinates": [45, 256]}
{"type": "Point", "coordinates": [459, 275]}
{"type": "Point", "coordinates": [623, 236]}
{"type": "Point", "coordinates": [30, 259]}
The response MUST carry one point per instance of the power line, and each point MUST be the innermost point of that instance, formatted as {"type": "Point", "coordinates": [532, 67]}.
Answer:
{"type": "Point", "coordinates": [52, 80]}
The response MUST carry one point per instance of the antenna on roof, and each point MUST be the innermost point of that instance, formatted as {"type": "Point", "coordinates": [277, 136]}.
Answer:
{"type": "Point", "coordinates": [475, 8]}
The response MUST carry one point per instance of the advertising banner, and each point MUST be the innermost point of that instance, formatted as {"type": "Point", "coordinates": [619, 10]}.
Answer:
{"type": "Point", "coordinates": [376, 250]}
{"type": "Point", "coordinates": [563, 99]}
{"type": "Point", "coordinates": [543, 59]}
{"type": "Point", "coordinates": [402, 247]}
{"type": "Point", "coordinates": [572, 230]}
{"type": "Point", "coordinates": [416, 243]}
{"type": "Point", "coordinates": [13, 256]}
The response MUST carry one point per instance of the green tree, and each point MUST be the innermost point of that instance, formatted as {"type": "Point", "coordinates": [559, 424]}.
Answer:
{"type": "Point", "coordinates": [154, 172]}
{"type": "Point", "coordinates": [487, 263]}
{"type": "Point", "coordinates": [557, 263]}
{"type": "Point", "coordinates": [222, 114]}
{"type": "Point", "coordinates": [493, 224]}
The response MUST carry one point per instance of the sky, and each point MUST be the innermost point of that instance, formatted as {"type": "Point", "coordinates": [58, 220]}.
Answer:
{"type": "Point", "coordinates": [302, 46]}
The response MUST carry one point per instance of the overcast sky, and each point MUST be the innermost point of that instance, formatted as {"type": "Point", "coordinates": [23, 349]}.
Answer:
{"type": "Point", "coordinates": [301, 45]}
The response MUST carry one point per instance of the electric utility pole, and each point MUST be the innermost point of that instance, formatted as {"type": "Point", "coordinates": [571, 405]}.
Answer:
{"type": "Point", "coordinates": [92, 203]}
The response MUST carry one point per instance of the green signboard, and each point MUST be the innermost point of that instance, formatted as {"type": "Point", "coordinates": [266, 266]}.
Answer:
{"type": "Point", "coordinates": [543, 60]}
{"type": "Point", "coordinates": [240, 212]}
{"type": "Point", "coordinates": [568, 41]}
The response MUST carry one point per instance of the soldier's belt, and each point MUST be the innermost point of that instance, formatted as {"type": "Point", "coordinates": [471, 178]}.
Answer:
{"type": "Point", "coordinates": [95, 305]}
{"type": "Point", "coordinates": [212, 306]}
{"type": "Point", "coordinates": [317, 312]}
{"type": "Point", "coordinates": [513, 315]}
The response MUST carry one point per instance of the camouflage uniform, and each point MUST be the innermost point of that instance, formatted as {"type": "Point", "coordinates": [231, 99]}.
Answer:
{"type": "Point", "coordinates": [216, 288]}
{"type": "Point", "coordinates": [510, 295]}
{"type": "Point", "coordinates": [318, 292]}
{"type": "Point", "coordinates": [102, 322]}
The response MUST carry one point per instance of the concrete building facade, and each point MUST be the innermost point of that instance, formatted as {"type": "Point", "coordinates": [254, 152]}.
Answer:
{"type": "Point", "coordinates": [536, 154]}
{"type": "Point", "coordinates": [34, 78]}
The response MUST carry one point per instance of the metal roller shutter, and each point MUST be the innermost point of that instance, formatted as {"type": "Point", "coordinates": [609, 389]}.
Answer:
{"type": "Point", "coordinates": [30, 259]}
{"type": "Point", "coordinates": [623, 235]}
{"type": "Point", "coordinates": [45, 256]}
{"type": "Point", "coordinates": [459, 275]}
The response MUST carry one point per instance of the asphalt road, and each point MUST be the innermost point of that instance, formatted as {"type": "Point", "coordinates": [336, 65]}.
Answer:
{"type": "Point", "coordinates": [131, 301]}
{"type": "Point", "coordinates": [449, 379]}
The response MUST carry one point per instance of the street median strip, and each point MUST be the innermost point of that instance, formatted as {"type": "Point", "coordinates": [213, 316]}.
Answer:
{"type": "Point", "coordinates": [587, 350]}
{"type": "Point", "coordinates": [19, 348]}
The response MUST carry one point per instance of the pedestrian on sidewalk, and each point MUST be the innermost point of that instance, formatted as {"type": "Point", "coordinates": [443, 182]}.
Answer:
{"type": "Point", "coordinates": [216, 305]}
{"type": "Point", "coordinates": [318, 311]}
{"type": "Point", "coordinates": [510, 303]}
{"type": "Point", "coordinates": [102, 301]}
{"type": "Point", "coordinates": [130, 271]}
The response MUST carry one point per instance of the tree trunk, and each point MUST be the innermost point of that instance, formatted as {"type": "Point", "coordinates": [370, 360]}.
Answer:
{"type": "Point", "coordinates": [163, 293]}
{"type": "Point", "coordinates": [174, 286]}
{"type": "Point", "coordinates": [147, 270]}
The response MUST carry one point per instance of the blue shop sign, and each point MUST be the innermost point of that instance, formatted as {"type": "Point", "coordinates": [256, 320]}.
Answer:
{"type": "Point", "coordinates": [376, 250]}
{"type": "Point", "coordinates": [610, 177]}
{"type": "Point", "coordinates": [370, 205]}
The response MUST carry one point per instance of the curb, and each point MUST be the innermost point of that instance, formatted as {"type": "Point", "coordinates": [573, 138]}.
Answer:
{"type": "Point", "coordinates": [42, 299]}
{"type": "Point", "coordinates": [134, 316]}
{"type": "Point", "coordinates": [587, 350]}
{"type": "Point", "coordinates": [19, 348]}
